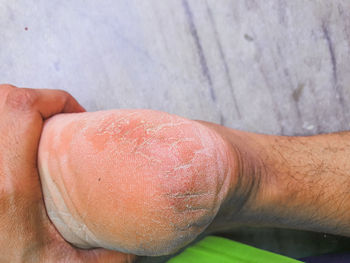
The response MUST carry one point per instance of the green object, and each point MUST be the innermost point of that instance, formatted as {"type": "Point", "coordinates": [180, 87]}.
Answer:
{"type": "Point", "coordinates": [214, 249]}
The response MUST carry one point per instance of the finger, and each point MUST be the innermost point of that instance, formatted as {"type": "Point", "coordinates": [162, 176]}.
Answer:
{"type": "Point", "coordinates": [45, 101]}
{"type": "Point", "coordinates": [51, 102]}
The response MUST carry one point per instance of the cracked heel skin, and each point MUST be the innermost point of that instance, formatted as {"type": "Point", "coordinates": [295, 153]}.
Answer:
{"type": "Point", "coordinates": [138, 181]}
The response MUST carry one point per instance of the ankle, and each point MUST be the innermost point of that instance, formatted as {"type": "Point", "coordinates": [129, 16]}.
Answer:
{"type": "Point", "coordinates": [246, 193]}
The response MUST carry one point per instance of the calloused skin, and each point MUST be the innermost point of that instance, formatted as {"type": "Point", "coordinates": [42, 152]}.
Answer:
{"type": "Point", "coordinates": [137, 181]}
{"type": "Point", "coordinates": [165, 193]}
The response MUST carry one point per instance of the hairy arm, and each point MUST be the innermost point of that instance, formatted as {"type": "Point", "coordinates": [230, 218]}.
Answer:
{"type": "Point", "coordinates": [310, 186]}
{"type": "Point", "coordinates": [291, 182]}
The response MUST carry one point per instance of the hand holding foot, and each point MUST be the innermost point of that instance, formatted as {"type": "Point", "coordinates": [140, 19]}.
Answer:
{"type": "Point", "coordinates": [147, 183]}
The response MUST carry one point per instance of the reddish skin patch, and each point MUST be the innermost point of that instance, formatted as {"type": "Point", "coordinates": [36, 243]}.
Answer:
{"type": "Point", "coordinates": [159, 176]}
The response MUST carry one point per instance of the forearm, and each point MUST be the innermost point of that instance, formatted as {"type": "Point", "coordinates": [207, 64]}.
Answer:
{"type": "Point", "coordinates": [293, 182]}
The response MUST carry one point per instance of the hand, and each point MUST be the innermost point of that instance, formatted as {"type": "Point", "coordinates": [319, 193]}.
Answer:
{"type": "Point", "coordinates": [26, 233]}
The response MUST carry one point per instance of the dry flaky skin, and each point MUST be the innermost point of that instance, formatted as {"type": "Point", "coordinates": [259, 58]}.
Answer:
{"type": "Point", "coordinates": [137, 181]}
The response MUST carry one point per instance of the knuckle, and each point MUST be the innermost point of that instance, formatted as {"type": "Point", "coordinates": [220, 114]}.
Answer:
{"type": "Point", "coordinates": [64, 94]}
{"type": "Point", "coordinates": [21, 99]}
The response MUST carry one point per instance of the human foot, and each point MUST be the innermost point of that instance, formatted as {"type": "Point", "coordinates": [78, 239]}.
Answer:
{"type": "Point", "coordinates": [137, 181]}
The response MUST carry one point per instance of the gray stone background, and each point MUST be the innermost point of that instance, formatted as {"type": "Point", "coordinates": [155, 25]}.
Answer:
{"type": "Point", "coordinates": [275, 66]}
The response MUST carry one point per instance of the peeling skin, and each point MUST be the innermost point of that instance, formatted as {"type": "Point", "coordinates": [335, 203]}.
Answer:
{"type": "Point", "coordinates": [137, 181]}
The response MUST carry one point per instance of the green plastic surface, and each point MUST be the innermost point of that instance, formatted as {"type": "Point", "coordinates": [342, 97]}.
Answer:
{"type": "Point", "coordinates": [221, 250]}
